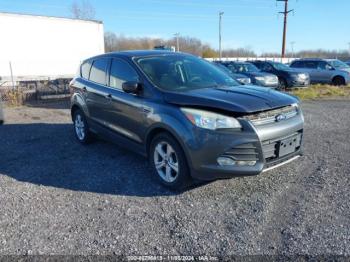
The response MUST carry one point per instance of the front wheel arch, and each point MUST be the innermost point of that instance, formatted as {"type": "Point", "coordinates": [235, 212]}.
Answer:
{"type": "Point", "coordinates": [152, 133]}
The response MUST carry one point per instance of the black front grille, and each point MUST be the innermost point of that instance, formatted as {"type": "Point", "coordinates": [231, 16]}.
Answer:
{"type": "Point", "coordinates": [244, 152]}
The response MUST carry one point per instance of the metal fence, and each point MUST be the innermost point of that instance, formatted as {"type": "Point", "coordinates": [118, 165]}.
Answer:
{"type": "Point", "coordinates": [22, 91]}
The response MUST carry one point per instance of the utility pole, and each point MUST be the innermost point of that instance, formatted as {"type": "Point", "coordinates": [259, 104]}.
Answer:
{"type": "Point", "coordinates": [285, 13]}
{"type": "Point", "coordinates": [220, 50]}
{"type": "Point", "coordinates": [177, 42]}
{"type": "Point", "coordinates": [292, 45]}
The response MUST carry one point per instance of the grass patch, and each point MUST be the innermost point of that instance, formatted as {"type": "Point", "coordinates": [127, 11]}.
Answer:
{"type": "Point", "coordinates": [12, 97]}
{"type": "Point", "coordinates": [322, 91]}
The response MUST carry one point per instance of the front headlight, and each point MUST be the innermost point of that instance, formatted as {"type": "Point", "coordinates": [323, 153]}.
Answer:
{"type": "Point", "coordinates": [244, 80]}
{"type": "Point", "coordinates": [210, 120]}
{"type": "Point", "coordinates": [260, 78]}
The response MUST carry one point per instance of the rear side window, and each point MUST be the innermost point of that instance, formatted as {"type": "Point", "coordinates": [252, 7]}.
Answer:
{"type": "Point", "coordinates": [310, 64]}
{"type": "Point", "coordinates": [85, 69]}
{"type": "Point", "coordinates": [121, 72]}
{"type": "Point", "coordinates": [298, 64]}
{"type": "Point", "coordinates": [98, 71]}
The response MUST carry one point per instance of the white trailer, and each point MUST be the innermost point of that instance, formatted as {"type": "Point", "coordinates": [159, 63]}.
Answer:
{"type": "Point", "coordinates": [42, 47]}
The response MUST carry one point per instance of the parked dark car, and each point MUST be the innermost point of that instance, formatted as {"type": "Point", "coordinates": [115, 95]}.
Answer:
{"type": "Point", "coordinates": [244, 80]}
{"type": "Point", "coordinates": [287, 77]}
{"type": "Point", "coordinates": [324, 71]}
{"type": "Point", "coordinates": [257, 77]}
{"type": "Point", "coordinates": [187, 116]}
{"type": "Point", "coordinates": [1, 111]}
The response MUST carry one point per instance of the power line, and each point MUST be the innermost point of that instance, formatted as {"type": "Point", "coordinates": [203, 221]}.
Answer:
{"type": "Point", "coordinates": [285, 13]}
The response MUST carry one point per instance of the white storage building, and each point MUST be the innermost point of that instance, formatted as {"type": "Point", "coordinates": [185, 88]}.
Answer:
{"type": "Point", "coordinates": [39, 47]}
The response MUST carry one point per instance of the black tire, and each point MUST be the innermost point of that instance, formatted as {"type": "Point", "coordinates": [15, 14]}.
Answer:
{"type": "Point", "coordinates": [183, 178]}
{"type": "Point", "coordinates": [86, 137]}
{"type": "Point", "coordinates": [282, 84]}
{"type": "Point", "coordinates": [338, 81]}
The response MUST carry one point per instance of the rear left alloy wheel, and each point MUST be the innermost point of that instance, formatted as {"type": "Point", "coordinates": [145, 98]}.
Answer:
{"type": "Point", "coordinates": [169, 162]}
{"type": "Point", "coordinates": [81, 127]}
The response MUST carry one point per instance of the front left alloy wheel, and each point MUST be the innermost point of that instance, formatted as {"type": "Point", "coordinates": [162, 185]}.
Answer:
{"type": "Point", "coordinates": [169, 162]}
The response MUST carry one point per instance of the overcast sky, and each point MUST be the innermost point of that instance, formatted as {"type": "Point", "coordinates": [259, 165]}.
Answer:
{"type": "Point", "coordinates": [246, 23]}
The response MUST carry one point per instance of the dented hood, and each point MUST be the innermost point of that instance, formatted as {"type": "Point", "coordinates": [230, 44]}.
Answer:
{"type": "Point", "coordinates": [240, 99]}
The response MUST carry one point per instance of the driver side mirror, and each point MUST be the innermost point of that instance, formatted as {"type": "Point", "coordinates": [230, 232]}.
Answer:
{"type": "Point", "coordinates": [132, 87]}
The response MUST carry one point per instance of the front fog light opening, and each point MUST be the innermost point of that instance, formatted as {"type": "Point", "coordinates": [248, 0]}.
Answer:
{"type": "Point", "coordinates": [228, 161]}
{"type": "Point", "coordinates": [245, 163]}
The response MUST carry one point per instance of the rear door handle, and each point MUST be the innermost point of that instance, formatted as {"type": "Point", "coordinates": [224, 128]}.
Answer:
{"type": "Point", "coordinates": [145, 110]}
{"type": "Point", "coordinates": [84, 89]}
{"type": "Point", "coordinates": [109, 97]}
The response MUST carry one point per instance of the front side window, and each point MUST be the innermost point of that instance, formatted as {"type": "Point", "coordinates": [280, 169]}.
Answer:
{"type": "Point", "coordinates": [98, 71]}
{"type": "Point", "coordinates": [183, 73]}
{"type": "Point", "coordinates": [246, 68]}
{"type": "Point", "coordinates": [266, 67]}
{"type": "Point", "coordinates": [121, 72]}
{"type": "Point", "coordinates": [323, 66]}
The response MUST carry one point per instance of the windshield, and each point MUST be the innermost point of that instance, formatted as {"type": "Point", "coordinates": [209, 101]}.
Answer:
{"type": "Point", "coordinates": [245, 68]}
{"type": "Point", "coordinates": [183, 73]}
{"type": "Point", "coordinates": [280, 66]}
{"type": "Point", "coordinates": [338, 64]}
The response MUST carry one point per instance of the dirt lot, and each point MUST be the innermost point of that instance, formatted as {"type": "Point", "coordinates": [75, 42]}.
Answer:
{"type": "Point", "coordinates": [58, 197]}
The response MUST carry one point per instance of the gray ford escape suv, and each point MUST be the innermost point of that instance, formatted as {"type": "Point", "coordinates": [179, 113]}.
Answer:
{"type": "Point", "coordinates": [188, 117]}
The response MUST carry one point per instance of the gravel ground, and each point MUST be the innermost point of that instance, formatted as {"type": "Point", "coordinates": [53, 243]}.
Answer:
{"type": "Point", "coordinates": [58, 197]}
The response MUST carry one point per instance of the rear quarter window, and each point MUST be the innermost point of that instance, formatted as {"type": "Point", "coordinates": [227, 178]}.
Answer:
{"type": "Point", "coordinates": [85, 70]}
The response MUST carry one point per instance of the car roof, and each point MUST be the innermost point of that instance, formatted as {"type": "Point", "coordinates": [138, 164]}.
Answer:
{"type": "Point", "coordinates": [309, 59]}
{"type": "Point", "coordinates": [261, 61]}
{"type": "Point", "coordinates": [240, 62]}
{"type": "Point", "coordinates": [333, 59]}
{"type": "Point", "coordinates": [137, 53]}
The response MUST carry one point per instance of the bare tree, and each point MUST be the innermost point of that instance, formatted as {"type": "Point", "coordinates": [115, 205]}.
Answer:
{"type": "Point", "coordinates": [82, 10]}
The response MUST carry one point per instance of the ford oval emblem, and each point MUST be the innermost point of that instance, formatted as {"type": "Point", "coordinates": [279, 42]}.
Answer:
{"type": "Point", "coordinates": [281, 117]}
